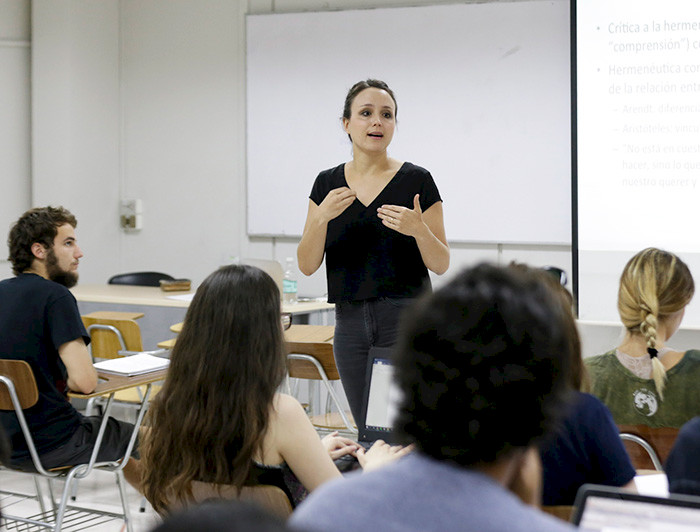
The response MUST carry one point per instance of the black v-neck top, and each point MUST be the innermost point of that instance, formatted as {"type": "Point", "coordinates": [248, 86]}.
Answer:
{"type": "Point", "coordinates": [365, 259]}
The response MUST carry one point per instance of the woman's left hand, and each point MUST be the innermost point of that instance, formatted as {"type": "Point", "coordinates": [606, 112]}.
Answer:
{"type": "Point", "coordinates": [338, 446]}
{"type": "Point", "coordinates": [406, 221]}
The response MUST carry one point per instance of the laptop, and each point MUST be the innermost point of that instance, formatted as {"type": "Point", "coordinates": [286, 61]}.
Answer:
{"type": "Point", "coordinates": [603, 508]}
{"type": "Point", "coordinates": [380, 401]}
{"type": "Point", "coordinates": [270, 267]}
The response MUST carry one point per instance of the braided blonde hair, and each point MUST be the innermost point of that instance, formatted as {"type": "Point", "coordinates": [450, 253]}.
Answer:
{"type": "Point", "coordinates": [654, 285]}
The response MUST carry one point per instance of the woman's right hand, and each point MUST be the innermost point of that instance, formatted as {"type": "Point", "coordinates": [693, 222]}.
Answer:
{"type": "Point", "coordinates": [335, 202]}
{"type": "Point", "coordinates": [380, 454]}
{"type": "Point", "coordinates": [312, 245]}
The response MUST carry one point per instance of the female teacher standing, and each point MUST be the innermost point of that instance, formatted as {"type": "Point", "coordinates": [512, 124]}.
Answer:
{"type": "Point", "coordinates": [379, 223]}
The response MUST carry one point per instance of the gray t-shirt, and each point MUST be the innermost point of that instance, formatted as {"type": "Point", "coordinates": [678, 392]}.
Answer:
{"type": "Point", "coordinates": [420, 494]}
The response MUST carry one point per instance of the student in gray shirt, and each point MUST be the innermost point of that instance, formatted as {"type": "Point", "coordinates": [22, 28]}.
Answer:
{"type": "Point", "coordinates": [483, 367]}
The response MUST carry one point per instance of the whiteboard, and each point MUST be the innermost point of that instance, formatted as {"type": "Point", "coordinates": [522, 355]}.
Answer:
{"type": "Point", "coordinates": [483, 95]}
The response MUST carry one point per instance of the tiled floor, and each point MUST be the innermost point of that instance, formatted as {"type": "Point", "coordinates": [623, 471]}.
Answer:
{"type": "Point", "coordinates": [97, 491]}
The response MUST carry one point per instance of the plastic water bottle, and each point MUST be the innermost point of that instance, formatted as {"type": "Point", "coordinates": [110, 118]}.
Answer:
{"type": "Point", "coordinates": [289, 284]}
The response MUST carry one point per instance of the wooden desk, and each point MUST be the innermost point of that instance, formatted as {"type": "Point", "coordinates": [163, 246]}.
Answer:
{"type": "Point", "coordinates": [150, 296]}
{"type": "Point", "coordinates": [296, 334]}
{"type": "Point", "coordinates": [110, 383]}
{"type": "Point", "coordinates": [155, 297]}
{"type": "Point", "coordinates": [309, 334]}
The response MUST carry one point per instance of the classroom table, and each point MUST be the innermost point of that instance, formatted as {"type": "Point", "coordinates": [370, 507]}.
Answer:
{"type": "Point", "coordinates": [110, 383]}
{"type": "Point", "coordinates": [155, 297]}
{"type": "Point", "coordinates": [162, 309]}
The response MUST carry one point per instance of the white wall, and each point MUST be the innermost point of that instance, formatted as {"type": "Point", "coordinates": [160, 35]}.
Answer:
{"type": "Point", "coordinates": [149, 103]}
{"type": "Point", "coordinates": [75, 128]}
{"type": "Point", "coordinates": [134, 99]}
{"type": "Point", "coordinates": [146, 100]}
{"type": "Point", "coordinates": [15, 139]}
{"type": "Point", "coordinates": [142, 100]}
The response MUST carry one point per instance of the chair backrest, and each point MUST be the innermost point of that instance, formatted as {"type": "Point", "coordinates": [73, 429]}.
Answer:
{"type": "Point", "coordinates": [660, 439]}
{"type": "Point", "coordinates": [315, 341]}
{"type": "Point", "coordinates": [105, 343]}
{"type": "Point", "coordinates": [272, 498]}
{"type": "Point", "coordinates": [22, 376]}
{"type": "Point", "coordinates": [140, 278]}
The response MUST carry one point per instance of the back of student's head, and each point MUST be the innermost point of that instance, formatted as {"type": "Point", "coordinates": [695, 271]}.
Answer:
{"type": "Point", "coordinates": [222, 516]}
{"type": "Point", "coordinates": [210, 417]}
{"type": "Point", "coordinates": [483, 365]}
{"type": "Point", "coordinates": [36, 225]}
{"type": "Point", "coordinates": [654, 285]}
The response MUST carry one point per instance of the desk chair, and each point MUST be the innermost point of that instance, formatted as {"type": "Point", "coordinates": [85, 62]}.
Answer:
{"type": "Point", "coordinates": [111, 332]}
{"type": "Point", "coordinates": [271, 498]}
{"type": "Point", "coordinates": [648, 447]}
{"type": "Point", "coordinates": [140, 278]}
{"type": "Point", "coordinates": [112, 335]}
{"type": "Point", "coordinates": [310, 357]}
{"type": "Point", "coordinates": [170, 343]}
{"type": "Point", "coordinates": [18, 392]}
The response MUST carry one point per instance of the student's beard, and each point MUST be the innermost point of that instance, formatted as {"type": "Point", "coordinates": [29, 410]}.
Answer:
{"type": "Point", "coordinates": [56, 274]}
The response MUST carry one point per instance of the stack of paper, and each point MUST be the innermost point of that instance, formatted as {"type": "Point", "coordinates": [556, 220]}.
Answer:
{"type": "Point", "coordinates": [132, 365]}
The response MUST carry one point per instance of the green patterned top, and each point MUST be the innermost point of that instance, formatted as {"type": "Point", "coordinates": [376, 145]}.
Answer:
{"type": "Point", "coordinates": [635, 401]}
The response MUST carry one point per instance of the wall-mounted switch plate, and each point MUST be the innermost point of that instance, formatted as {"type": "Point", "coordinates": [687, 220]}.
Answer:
{"type": "Point", "coordinates": [130, 215]}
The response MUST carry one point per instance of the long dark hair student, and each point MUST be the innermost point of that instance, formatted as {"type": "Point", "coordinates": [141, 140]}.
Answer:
{"type": "Point", "coordinates": [213, 411]}
{"type": "Point", "coordinates": [644, 381]}
{"type": "Point", "coordinates": [378, 222]}
{"type": "Point", "coordinates": [218, 417]}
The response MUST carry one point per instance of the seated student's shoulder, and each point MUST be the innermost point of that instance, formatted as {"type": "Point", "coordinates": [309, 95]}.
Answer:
{"type": "Point", "coordinates": [597, 362]}
{"type": "Point", "coordinates": [591, 404]}
{"type": "Point", "coordinates": [32, 287]}
{"type": "Point", "coordinates": [683, 463]}
{"type": "Point", "coordinates": [340, 505]}
{"type": "Point", "coordinates": [287, 411]}
{"type": "Point", "coordinates": [692, 356]}
{"type": "Point", "coordinates": [286, 404]}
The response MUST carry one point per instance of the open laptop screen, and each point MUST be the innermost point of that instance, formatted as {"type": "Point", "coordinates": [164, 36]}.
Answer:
{"type": "Point", "coordinates": [381, 404]}
{"type": "Point", "coordinates": [381, 398]}
{"type": "Point", "coordinates": [613, 510]}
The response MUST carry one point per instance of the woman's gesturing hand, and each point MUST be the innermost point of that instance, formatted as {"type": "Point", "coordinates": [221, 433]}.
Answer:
{"type": "Point", "coordinates": [406, 221]}
{"type": "Point", "coordinates": [335, 202]}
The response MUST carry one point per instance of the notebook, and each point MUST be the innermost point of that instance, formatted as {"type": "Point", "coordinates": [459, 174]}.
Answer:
{"type": "Point", "coordinates": [129, 366]}
{"type": "Point", "coordinates": [380, 400]}
{"type": "Point", "coordinates": [602, 508]}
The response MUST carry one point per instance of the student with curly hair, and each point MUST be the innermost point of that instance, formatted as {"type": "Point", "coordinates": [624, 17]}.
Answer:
{"type": "Point", "coordinates": [644, 381]}
{"type": "Point", "coordinates": [482, 365]}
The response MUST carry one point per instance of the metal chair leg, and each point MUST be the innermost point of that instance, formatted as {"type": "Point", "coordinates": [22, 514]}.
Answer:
{"type": "Point", "coordinates": [52, 496]}
{"type": "Point", "coordinates": [40, 495]}
{"type": "Point", "coordinates": [125, 501]}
